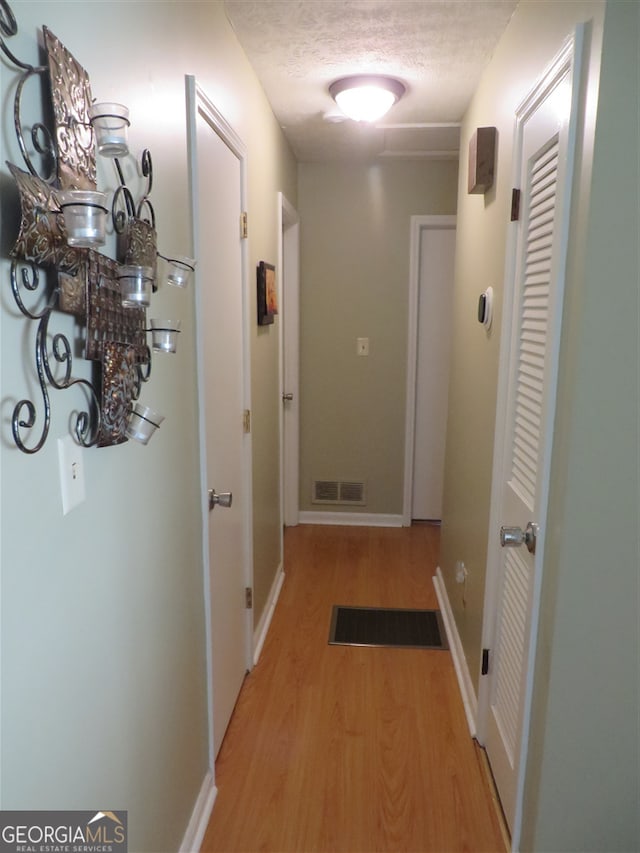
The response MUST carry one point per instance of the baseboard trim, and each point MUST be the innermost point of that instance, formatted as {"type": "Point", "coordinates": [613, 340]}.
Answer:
{"type": "Point", "coordinates": [262, 628]}
{"type": "Point", "coordinates": [469, 699]}
{"type": "Point", "coordinates": [352, 519]}
{"type": "Point", "coordinates": [200, 816]}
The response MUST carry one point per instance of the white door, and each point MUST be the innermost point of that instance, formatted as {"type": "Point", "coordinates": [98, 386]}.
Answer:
{"type": "Point", "coordinates": [526, 405]}
{"type": "Point", "coordinates": [431, 263]}
{"type": "Point", "coordinates": [289, 276]}
{"type": "Point", "coordinates": [217, 174]}
{"type": "Point", "coordinates": [436, 265]}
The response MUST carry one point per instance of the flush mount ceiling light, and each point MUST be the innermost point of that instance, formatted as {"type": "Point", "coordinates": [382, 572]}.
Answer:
{"type": "Point", "coordinates": [366, 97]}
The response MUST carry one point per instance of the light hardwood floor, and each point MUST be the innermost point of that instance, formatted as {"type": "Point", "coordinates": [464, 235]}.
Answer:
{"type": "Point", "coordinates": [335, 749]}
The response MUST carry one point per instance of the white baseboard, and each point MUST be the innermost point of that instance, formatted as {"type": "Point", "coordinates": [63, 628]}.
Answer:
{"type": "Point", "coordinates": [467, 691]}
{"type": "Point", "coordinates": [200, 816]}
{"type": "Point", "coordinates": [352, 519]}
{"type": "Point", "coordinates": [260, 632]}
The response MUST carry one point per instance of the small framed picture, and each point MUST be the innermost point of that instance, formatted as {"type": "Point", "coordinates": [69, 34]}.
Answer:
{"type": "Point", "coordinates": [267, 294]}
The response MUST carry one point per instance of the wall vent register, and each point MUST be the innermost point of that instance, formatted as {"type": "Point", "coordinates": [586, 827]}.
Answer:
{"type": "Point", "coordinates": [338, 492]}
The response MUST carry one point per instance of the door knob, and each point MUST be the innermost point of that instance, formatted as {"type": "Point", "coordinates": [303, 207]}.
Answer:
{"type": "Point", "coordinates": [511, 537]}
{"type": "Point", "coordinates": [288, 397]}
{"type": "Point", "coordinates": [222, 499]}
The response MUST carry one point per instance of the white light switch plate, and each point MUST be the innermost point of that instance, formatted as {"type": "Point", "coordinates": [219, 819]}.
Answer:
{"type": "Point", "coordinates": [362, 346]}
{"type": "Point", "coordinates": [71, 473]}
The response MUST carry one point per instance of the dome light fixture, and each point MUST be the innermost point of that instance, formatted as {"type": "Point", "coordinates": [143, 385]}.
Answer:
{"type": "Point", "coordinates": [366, 97]}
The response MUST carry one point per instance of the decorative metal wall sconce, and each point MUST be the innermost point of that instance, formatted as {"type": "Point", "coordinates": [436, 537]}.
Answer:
{"type": "Point", "coordinates": [63, 221]}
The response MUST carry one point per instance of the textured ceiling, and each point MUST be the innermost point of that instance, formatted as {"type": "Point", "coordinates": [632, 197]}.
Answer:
{"type": "Point", "coordinates": [437, 49]}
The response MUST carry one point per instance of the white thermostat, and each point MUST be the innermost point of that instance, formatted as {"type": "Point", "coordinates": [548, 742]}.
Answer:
{"type": "Point", "coordinates": [485, 308]}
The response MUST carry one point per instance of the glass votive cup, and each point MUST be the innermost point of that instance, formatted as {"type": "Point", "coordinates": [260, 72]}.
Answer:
{"type": "Point", "coordinates": [85, 217]}
{"type": "Point", "coordinates": [110, 123]}
{"type": "Point", "coordinates": [164, 335]}
{"type": "Point", "coordinates": [143, 422]}
{"type": "Point", "coordinates": [135, 286]}
{"type": "Point", "coordinates": [179, 270]}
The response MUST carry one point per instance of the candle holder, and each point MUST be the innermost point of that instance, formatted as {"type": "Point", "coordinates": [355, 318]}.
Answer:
{"type": "Point", "coordinates": [179, 270]}
{"type": "Point", "coordinates": [164, 335]}
{"type": "Point", "coordinates": [62, 225]}
{"type": "Point", "coordinates": [135, 286]}
{"type": "Point", "coordinates": [110, 123]}
{"type": "Point", "coordinates": [85, 217]}
{"type": "Point", "coordinates": [143, 423]}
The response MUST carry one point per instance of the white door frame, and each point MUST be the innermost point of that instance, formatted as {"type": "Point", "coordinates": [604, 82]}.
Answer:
{"type": "Point", "coordinates": [418, 225]}
{"type": "Point", "coordinates": [199, 103]}
{"type": "Point", "coordinates": [570, 56]}
{"type": "Point", "coordinates": [289, 298]}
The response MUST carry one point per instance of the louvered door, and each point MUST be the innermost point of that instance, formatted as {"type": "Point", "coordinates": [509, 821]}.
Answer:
{"type": "Point", "coordinates": [523, 443]}
{"type": "Point", "coordinates": [525, 415]}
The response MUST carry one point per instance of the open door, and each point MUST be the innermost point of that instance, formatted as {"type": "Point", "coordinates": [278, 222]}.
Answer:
{"type": "Point", "coordinates": [289, 275]}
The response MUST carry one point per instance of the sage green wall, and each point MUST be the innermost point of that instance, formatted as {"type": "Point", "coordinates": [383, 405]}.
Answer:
{"type": "Point", "coordinates": [355, 222]}
{"type": "Point", "coordinates": [533, 37]}
{"type": "Point", "coordinates": [581, 783]}
{"type": "Point", "coordinates": [583, 792]}
{"type": "Point", "coordinates": [103, 646]}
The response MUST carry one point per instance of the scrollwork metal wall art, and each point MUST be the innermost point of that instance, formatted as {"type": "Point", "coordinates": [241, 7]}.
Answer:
{"type": "Point", "coordinates": [76, 280]}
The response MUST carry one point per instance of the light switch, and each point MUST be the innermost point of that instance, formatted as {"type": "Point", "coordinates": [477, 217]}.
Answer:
{"type": "Point", "coordinates": [71, 473]}
{"type": "Point", "coordinates": [362, 346]}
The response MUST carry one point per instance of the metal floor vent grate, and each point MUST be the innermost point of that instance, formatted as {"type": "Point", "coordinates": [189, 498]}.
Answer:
{"type": "Point", "coordinates": [375, 626]}
{"type": "Point", "coordinates": [338, 492]}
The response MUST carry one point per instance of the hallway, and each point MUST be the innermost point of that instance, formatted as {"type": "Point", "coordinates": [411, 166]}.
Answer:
{"type": "Point", "coordinates": [336, 749]}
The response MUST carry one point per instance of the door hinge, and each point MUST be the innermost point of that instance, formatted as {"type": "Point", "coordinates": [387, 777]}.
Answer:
{"type": "Point", "coordinates": [515, 205]}
{"type": "Point", "coordinates": [244, 225]}
{"type": "Point", "coordinates": [485, 662]}
{"type": "Point", "coordinates": [248, 598]}
{"type": "Point", "coordinates": [246, 421]}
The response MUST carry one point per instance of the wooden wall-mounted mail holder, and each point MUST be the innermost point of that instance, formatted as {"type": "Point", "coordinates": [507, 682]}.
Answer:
{"type": "Point", "coordinates": [482, 159]}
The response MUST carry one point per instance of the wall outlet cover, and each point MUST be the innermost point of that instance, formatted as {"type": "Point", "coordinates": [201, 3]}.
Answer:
{"type": "Point", "coordinates": [461, 572]}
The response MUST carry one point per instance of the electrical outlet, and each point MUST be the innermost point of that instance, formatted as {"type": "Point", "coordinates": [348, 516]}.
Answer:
{"type": "Point", "coordinates": [461, 572]}
{"type": "Point", "coordinates": [362, 346]}
{"type": "Point", "coordinates": [71, 473]}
